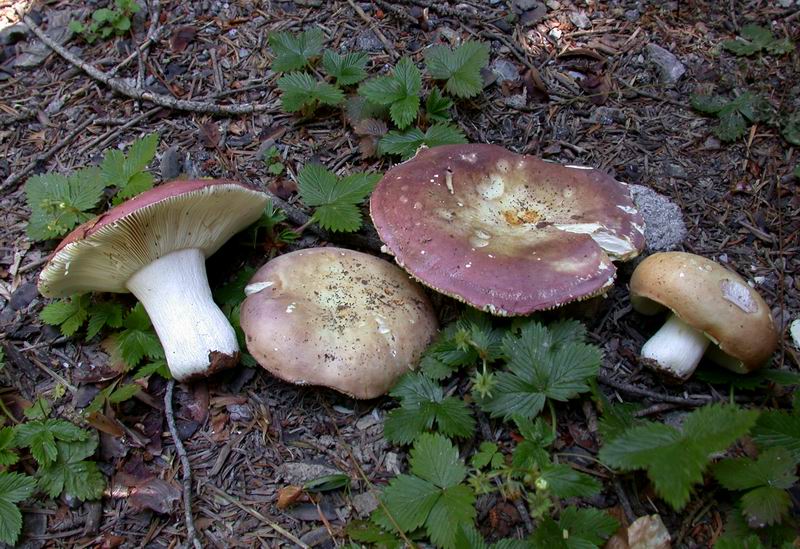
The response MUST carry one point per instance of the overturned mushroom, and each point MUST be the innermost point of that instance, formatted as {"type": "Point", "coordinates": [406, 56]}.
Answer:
{"type": "Point", "coordinates": [337, 318]}
{"type": "Point", "coordinates": [506, 233]}
{"type": "Point", "coordinates": [709, 304]}
{"type": "Point", "coordinates": [155, 246]}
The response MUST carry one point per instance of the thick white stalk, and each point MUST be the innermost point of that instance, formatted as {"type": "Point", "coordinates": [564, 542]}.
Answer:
{"type": "Point", "coordinates": [675, 349]}
{"type": "Point", "coordinates": [174, 291]}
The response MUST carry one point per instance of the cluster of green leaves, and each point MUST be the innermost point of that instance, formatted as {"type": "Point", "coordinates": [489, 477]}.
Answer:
{"type": "Point", "coordinates": [107, 22]}
{"type": "Point", "coordinates": [734, 115]}
{"type": "Point", "coordinates": [755, 38]}
{"type": "Point", "coordinates": [272, 158]}
{"type": "Point", "coordinates": [60, 202]}
{"type": "Point", "coordinates": [397, 94]}
{"type": "Point", "coordinates": [335, 199]}
{"type": "Point", "coordinates": [60, 451]}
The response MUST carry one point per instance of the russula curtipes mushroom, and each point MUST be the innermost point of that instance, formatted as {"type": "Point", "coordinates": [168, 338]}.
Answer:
{"type": "Point", "coordinates": [506, 233]}
{"type": "Point", "coordinates": [710, 305]}
{"type": "Point", "coordinates": [154, 246]}
{"type": "Point", "coordinates": [336, 318]}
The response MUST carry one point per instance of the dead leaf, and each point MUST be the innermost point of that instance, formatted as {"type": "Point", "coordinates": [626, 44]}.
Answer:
{"type": "Point", "coordinates": [535, 86]}
{"type": "Point", "coordinates": [288, 496]}
{"type": "Point", "coordinates": [155, 494]}
{"type": "Point", "coordinates": [209, 134]}
{"type": "Point", "coordinates": [648, 532]}
{"type": "Point", "coordinates": [111, 541]}
{"type": "Point", "coordinates": [182, 37]}
{"type": "Point", "coordinates": [282, 187]}
{"type": "Point", "coordinates": [369, 130]}
{"type": "Point", "coordinates": [105, 424]}
{"type": "Point", "coordinates": [218, 431]}
{"type": "Point", "coordinates": [597, 86]}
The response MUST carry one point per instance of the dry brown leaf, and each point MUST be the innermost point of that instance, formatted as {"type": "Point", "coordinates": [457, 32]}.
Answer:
{"type": "Point", "coordinates": [182, 37]}
{"type": "Point", "coordinates": [648, 532]}
{"type": "Point", "coordinates": [288, 496]}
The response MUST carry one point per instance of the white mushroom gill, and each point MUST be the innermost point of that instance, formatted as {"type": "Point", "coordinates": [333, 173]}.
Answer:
{"type": "Point", "coordinates": [676, 348]}
{"type": "Point", "coordinates": [174, 290]}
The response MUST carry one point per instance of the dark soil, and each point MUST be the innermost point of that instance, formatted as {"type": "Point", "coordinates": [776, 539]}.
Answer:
{"type": "Point", "coordinates": [588, 97]}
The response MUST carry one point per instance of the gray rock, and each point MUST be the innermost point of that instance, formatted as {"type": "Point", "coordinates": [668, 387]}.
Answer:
{"type": "Point", "coordinates": [300, 473]}
{"type": "Point", "coordinates": [364, 503]}
{"type": "Point", "coordinates": [664, 226]}
{"type": "Point", "coordinates": [524, 5]}
{"type": "Point", "coordinates": [607, 116]}
{"type": "Point", "coordinates": [580, 19]}
{"type": "Point", "coordinates": [632, 15]}
{"type": "Point", "coordinates": [368, 41]}
{"type": "Point", "coordinates": [170, 164]}
{"type": "Point", "coordinates": [675, 170]}
{"type": "Point", "coordinates": [505, 71]}
{"type": "Point", "coordinates": [670, 69]}
{"type": "Point", "coordinates": [13, 34]}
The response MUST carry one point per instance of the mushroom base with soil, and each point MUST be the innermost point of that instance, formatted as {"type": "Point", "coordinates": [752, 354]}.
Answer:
{"type": "Point", "coordinates": [196, 336]}
{"type": "Point", "coordinates": [675, 349]}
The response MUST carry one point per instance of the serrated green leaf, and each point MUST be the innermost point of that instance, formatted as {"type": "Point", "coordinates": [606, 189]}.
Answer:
{"type": "Point", "coordinates": [586, 527]}
{"type": "Point", "coordinates": [676, 459]}
{"type": "Point", "coordinates": [336, 199]}
{"type": "Point", "coordinates": [709, 104]}
{"type": "Point", "coordinates": [365, 531]}
{"type": "Point", "coordinates": [347, 69]}
{"type": "Point", "coordinates": [750, 542]}
{"type": "Point", "coordinates": [112, 168]}
{"type": "Point", "coordinates": [294, 51]}
{"type": "Point", "coordinates": [486, 454]}
{"type": "Point", "coordinates": [435, 459]}
{"type": "Point", "coordinates": [400, 92]}
{"type": "Point", "coordinates": [103, 314]}
{"type": "Point", "coordinates": [755, 38]}
{"type": "Point", "coordinates": [456, 505]}
{"type": "Point", "coordinates": [776, 429]}
{"type": "Point", "coordinates": [404, 424]}
{"type": "Point", "coordinates": [410, 500]}
{"type": "Point", "coordinates": [404, 111]}
{"type": "Point", "coordinates": [565, 482]}
{"type": "Point", "coordinates": [790, 130]}
{"type": "Point", "coordinates": [41, 436]}
{"type": "Point", "coordinates": [301, 90]}
{"type": "Point", "coordinates": [461, 68]}
{"type": "Point", "coordinates": [766, 505]}
{"type": "Point", "coordinates": [71, 473]}
{"type": "Point", "coordinates": [406, 143]}
{"type": "Point", "coordinates": [137, 340]}
{"type": "Point", "coordinates": [126, 392]}
{"type": "Point", "coordinates": [69, 314]}
{"type": "Point", "coordinates": [437, 106]}
{"type": "Point", "coordinates": [14, 488]}
{"type": "Point", "coordinates": [39, 410]}
{"type": "Point", "coordinates": [140, 154]}
{"type": "Point", "coordinates": [157, 367]}
{"type": "Point", "coordinates": [137, 184]}
{"type": "Point", "coordinates": [7, 444]}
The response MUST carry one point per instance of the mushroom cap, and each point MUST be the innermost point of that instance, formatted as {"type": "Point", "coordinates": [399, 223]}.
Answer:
{"type": "Point", "coordinates": [338, 318]}
{"type": "Point", "coordinates": [507, 233]}
{"type": "Point", "coordinates": [103, 253]}
{"type": "Point", "coordinates": [709, 298]}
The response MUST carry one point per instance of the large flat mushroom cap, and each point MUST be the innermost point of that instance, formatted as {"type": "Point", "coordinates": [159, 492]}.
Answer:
{"type": "Point", "coordinates": [103, 253]}
{"type": "Point", "coordinates": [506, 233]}
{"type": "Point", "coordinates": [709, 298]}
{"type": "Point", "coordinates": [337, 318]}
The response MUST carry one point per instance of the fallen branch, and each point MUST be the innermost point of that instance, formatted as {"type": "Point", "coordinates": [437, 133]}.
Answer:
{"type": "Point", "coordinates": [119, 86]}
{"type": "Point", "coordinates": [191, 533]}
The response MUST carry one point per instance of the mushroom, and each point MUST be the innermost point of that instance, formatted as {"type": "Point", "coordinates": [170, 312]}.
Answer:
{"type": "Point", "coordinates": [506, 233]}
{"type": "Point", "coordinates": [337, 318]}
{"type": "Point", "coordinates": [709, 304]}
{"type": "Point", "coordinates": [155, 245]}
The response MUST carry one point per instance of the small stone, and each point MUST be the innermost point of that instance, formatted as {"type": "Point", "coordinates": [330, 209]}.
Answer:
{"type": "Point", "coordinates": [504, 70]}
{"type": "Point", "coordinates": [23, 296]}
{"type": "Point", "coordinates": [13, 34]}
{"type": "Point", "coordinates": [367, 421]}
{"type": "Point", "coordinates": [794, 330]}
{"type": "Point", "coordinates": [632, 15]}
{"type": "Point", "coordinates": [553, 4]}
{"type": "Point", "coordinates": [555, 34]}
{"type": "Point", "coordinates": [364, 503]}
{"type": "Point", "coordinates": [664, 226]}
{"type": "Point", "coordinates": [368, 41]}
{"type": "Point", "coordinates": [518, 101]}
{"type": "Point", "coordinates": [607, 116]}
{"type": "Point", "coordinates": [300, 473]}
{"type": "Point", "coordinates": [239, 412]}
{"type": "Point", "coordinates": [712, 143]}
{"type": "Point", "coordinates": [392, 463]}
{"type": "Point", "coordinates": [670, 69]}
{"type": "Point", "coordinates": [524, 5]}
{"type": "Point", "coordinates": [580, 19]}
{"type": "Point", "coordinates": [170, 164]}
{"type": "Point", "coordinates": [675, 170]}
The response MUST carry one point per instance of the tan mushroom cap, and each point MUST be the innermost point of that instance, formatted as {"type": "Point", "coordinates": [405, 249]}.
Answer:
{"type": "Point", "coordinates": [337, 318]}
{"type": "Point", "coordinates": [507, 233]}
{"type": "Point", "coordinates": [709, 298]}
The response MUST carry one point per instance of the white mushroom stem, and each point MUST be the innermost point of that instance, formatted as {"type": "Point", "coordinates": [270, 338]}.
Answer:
{"type": "Point", "coordinates": [676, 348]}
{"type": "Point", "coordinates": [174, 291]}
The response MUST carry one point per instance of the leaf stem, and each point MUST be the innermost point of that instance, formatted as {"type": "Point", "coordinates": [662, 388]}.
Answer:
{"type": "Point", "coordinates": [553, 420]}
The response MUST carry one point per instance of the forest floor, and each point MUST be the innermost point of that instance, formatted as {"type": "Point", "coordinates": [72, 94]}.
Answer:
{"type": "Point", "coordinates": [573, 82]}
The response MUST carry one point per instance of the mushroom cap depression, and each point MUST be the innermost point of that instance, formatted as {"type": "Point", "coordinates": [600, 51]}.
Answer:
{"type": "Point", "coordinates": [338, 318]}
{"type": "Point", "coordinates": [709, 298]}
{"type": "Point", "coordinates": [103, 253]}
{"type": "Point", "coordinates": [506, 233]}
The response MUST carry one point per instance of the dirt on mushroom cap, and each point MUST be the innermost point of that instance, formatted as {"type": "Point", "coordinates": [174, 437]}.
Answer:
{"type": "Point", "coordinates": [506, 233]}
{"type": "Point", "coordinates": [710, 298]}
{"type": "Point", "coordinates": [338, 318]}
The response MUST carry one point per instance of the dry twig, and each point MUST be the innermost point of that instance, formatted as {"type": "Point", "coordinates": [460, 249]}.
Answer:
{"type": "Point", "coordinates": [191, 533]}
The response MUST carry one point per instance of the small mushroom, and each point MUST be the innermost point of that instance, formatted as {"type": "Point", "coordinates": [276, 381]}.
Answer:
{"type": "Point", "coordinates": [337, 318]}
{"type": "Point", "coordinates": [709, 304]}
{"type": "Point", "coordinates": [507, 233]}
{"type": "Point", "coordinates": [155, 245]}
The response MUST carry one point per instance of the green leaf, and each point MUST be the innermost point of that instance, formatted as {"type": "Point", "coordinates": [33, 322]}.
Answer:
{"type": "Point", "coordinates": [767, 478]}
{"type": "Point", "coordinates": [435, 459]}
{"type": "Point", "coordinates": [733, 115]}
{"type": "Point", "coordinates": [14, 488]}
{"type": "Point", "coordinates": [410, 500]}
{"type": "Point", "coordinates": [295, 51]}
{"type": "Point", "coordinates": [461, 68]}
{"type": "Point", "coordinates": [404, 111]}
{"type": "Point", "coordinates": [365, 531]}
{"type": "Point", "coordinates": [456, 505]}
{"type": "Point", "coordinates": [103, 314]}
{"type": "Point", "coordinates": [126, 392]}
{"type": "Point", "coordinates": [39, 410]}
{"type": "Point", "coordinates": [400, 92]}
{"type": "Point", "coordinates": [565, 482]}
{"type": "Point", "coordinates": [347, 69]}
{"type": "Point", "coordinates": [137, 340]}
{"type": "Point", "coordinates": [303, 91]}
{"type": "Point", "coordinates": [406, 143]}
{"type": "Point", "coordinates": [58, 203]}
{"type": "Point", "coordinates": [70, 473]}
{"type": "Point", "coordinates": [41, 436]}
{"type": "Point", "coordinates": [232, 293]}
{"type": "Point", "coordinates": [586, 527]}
{"type": "Point", "coordinates": [327, 483]}
{"type": "Point", "coordinates": [68, 314]}
{"type": "Point", "coordinates": [137, 184]}
{"type": "Point", "coordinates": [778, 429]}
{"type": "Point", "coordinates": [790, 130]}
{"type": "Point", "coordinates": [540, 368]}
{"type": "Point", "coordinates": [336, 199]}
{"type": "Point", "coordinates": [676, 459]}
{"type": "Point", "coordinates": [709, 104]}
{"type": "Point", "coordinates": [437, 107]}
{"type": "Point", "coordinates": [157, 367]}
{"type": "Point", "coordinates": [755, 38]}
{"type": "Point", "coordinates": [7, 444]}
{"type": "Point", "coordinates": [444, 134]}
